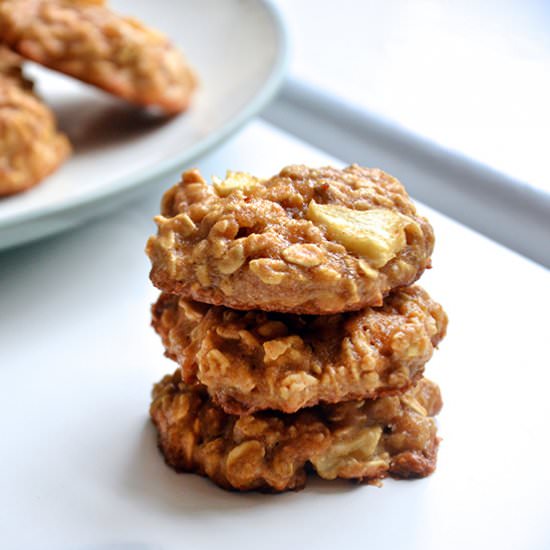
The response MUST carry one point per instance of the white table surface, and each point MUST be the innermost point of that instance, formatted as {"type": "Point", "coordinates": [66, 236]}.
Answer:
{"type": "Point", "coordinates": [80, 469]}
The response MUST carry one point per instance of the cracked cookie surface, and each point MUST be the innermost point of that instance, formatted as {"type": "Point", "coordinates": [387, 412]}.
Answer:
{"type": "Point", "coordinates": [258, 360]}
{"type": "Point", "coordinates": [307, 240]}
{"type": "Point", "coordinates": [86, 40]}
{"type": "Point", "coordinates": [31, 147]}
{"type": "Point", "coordinates": [359, 440]}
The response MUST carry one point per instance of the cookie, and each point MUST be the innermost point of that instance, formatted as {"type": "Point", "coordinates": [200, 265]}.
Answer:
{"type": "Point", "coordinates": [306, 241]}
{"type": "Point", "coordinates": [31, 147]}
{"type": "Point", "coordinates": [359, 440]}
{"type": "Point", "coordinates": [11, 69]}
{"type": "Point", "coordinates": [256, 360]}
{"type": "Point", "coordinates": [86, 40]}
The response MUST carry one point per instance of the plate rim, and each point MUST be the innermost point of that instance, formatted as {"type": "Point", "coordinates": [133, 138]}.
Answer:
{"type": "Point", "coordinates": [137, 181]}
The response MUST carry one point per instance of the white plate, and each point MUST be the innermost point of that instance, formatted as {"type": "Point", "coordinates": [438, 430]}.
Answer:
{"type": "Point", "coordinates": [238, 49]}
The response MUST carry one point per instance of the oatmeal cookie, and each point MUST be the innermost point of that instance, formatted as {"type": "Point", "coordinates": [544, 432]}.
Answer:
{"type": "Point", "coordinates": [30, 145]}
{"type": "Point", "coordinates": [360, 440]}
{"type": "Point", "coordinates": [86, 40]}
{"type": "Point", "coordinates": [11, 68]}
{"type": "Point", "coordinates": [256, 360]}
{"type": "Point", "coordinates": [307, 241]}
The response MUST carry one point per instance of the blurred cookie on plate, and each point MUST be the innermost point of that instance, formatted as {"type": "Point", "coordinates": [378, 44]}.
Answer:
{"type": "Point", "coordinates": [88, 41]}
{"type": "Point", "coordinates": [31, 147]}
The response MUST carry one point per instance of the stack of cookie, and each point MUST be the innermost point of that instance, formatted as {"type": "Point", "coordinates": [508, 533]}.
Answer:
{"type": "Point", "coordinates": [301, 344]}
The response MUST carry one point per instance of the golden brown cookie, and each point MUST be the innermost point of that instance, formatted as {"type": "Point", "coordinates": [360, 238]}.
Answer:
{"type": "Point", "coordinates": [30, 146]}
{"type": "Point", "coordinates": [313, 241]}
{"type": "Point", "coordinates": [361, 440]}
{"type": "Point", "coordinates": [86, 40]}
{"type": "Point", "coordinates": [256, 360]}
{"type": "Point", "coordinates": [11, 68]}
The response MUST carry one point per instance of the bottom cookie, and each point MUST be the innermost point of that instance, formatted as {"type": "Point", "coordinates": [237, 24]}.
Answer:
{"type": "Point", "coordinates": [272, 451]}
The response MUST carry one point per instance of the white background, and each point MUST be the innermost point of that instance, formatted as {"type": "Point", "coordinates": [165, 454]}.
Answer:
{"type": "Point", "coordinates": [472, 75]}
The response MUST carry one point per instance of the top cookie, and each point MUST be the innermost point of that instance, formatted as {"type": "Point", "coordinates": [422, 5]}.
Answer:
{"type": "Point", "coordinates": [86, 40]}
{"type": "Point", "coordinates": [308, 241]}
